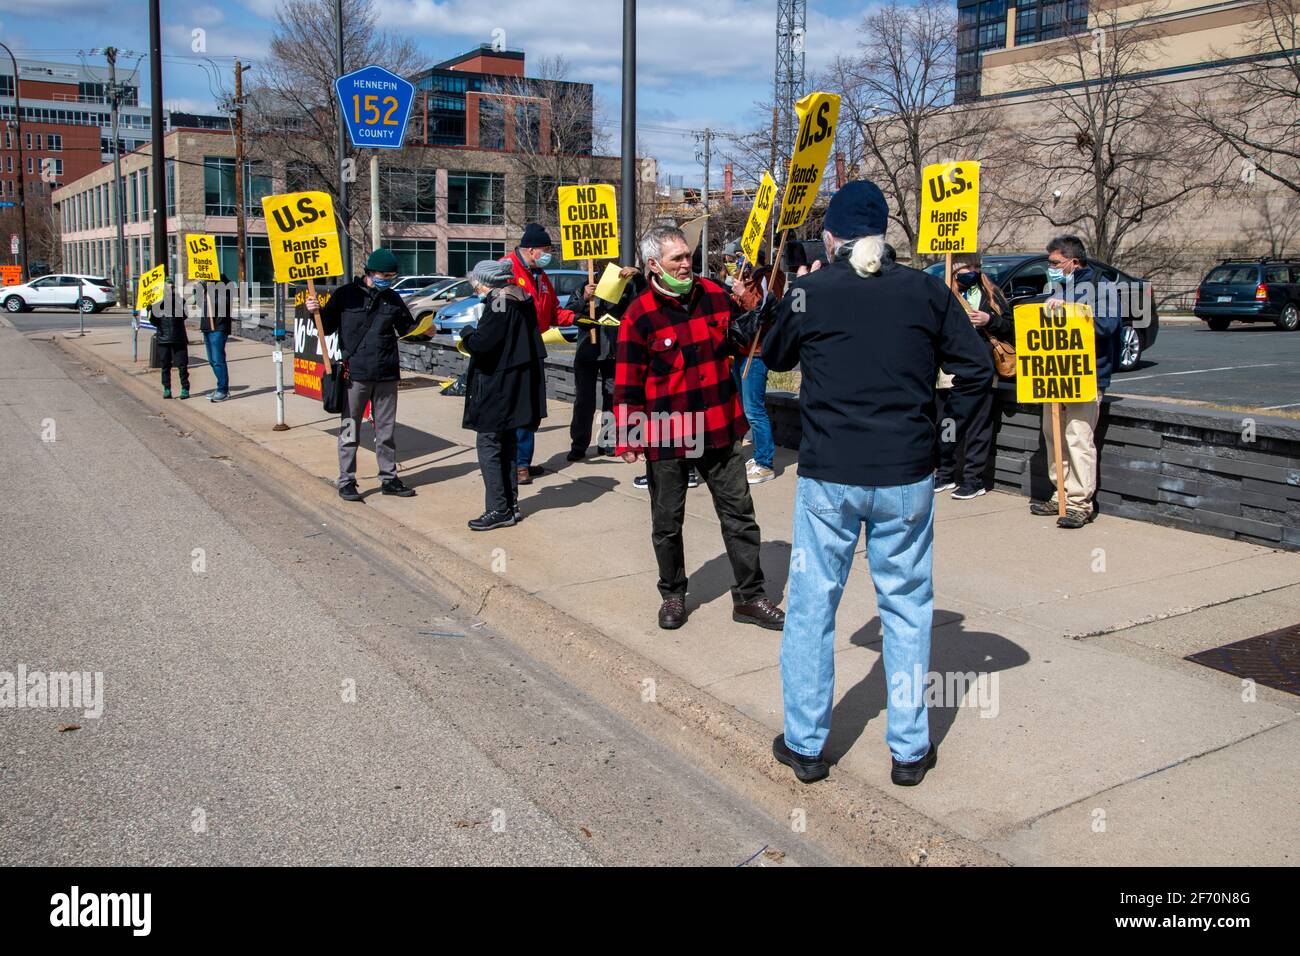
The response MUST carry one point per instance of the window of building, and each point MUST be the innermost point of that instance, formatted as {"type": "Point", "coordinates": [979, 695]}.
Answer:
{"type": "Point", "coordinates": [991, 10]}
{"type": "Point", "coordinates": [27, 140]}
{"type": "Point", "coordinates": [464, 254]}
{"type": "Point", "coordinates": [491, 123]}
{"type": "Point", "coordinates": [1027, 23]}
{"type": "Point", "coordinates": [476, 198]}
{"type": "Point", "coordinates": [6, 85]}
{"type": "Point", "coordinates": [993, 35]}
{"type": "Point", "coordinates": [409, 196]}
{"type": "Point", "coordinates": [54, 142]}
{"type": "Point", "coordinates": [40, 142]}
{"type": "Point", "coordinates": [414, 256]}
{"type": "Point", "coordinates": [528, 127]}
{"type": "Point", "coordinates": [170, 166]}
{"type": "Point", "coordinates": [1053, 13]}
{"type": "Point", "coordinates": [967, 16]}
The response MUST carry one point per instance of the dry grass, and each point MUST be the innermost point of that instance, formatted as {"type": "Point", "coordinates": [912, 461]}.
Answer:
{"type": "Point", "coordinates": [783, 381]}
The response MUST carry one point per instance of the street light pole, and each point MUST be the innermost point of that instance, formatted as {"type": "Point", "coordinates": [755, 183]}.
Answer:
{"type": "Point", "coordinates": [627, 204]}
{"type": "Point", "coordinates": [18, 136]}
{"type": "Point", "coordinates": [344, 219]}
{"type": "Point", "coordinates": [159, 190]}
{"type": "Point", "coordinates": [118, 213]}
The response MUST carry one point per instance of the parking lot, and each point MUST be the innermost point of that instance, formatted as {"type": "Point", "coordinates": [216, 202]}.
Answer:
{"type": "Point", "coordinates": [1256, 366]}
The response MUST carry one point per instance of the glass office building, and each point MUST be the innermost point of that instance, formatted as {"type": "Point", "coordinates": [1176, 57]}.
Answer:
{"type": "Point", "coordinates": [982, 25]}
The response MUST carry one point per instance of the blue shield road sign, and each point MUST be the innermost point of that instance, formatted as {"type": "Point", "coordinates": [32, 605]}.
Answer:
{"type": "Point", "coordinates": [375, 105]}
{"type": "Point", "coordinates": [6, 205]}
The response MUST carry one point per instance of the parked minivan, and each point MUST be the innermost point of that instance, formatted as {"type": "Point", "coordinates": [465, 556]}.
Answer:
{"type": "Point", "coordinates": [1250, 290]}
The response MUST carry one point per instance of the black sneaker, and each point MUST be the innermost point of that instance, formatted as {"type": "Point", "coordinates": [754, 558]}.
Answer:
{"type": "Point", "coordinates": [641, 481]}
{"type": "Point", "coordinates": [605, 451]}
{"type": "Point", "coordinates": [966, 492]}
{"type": "Point", "coordinates": [394, 486]}
{"type": "Point", "coordinates": [693, 480]}
{"type": "Point", "coordinates": [911, 773]}
{"type": "Point", "coordinates": [807, 769]}
{"type": "Point", "coordinates": [349, 492]}
{"type": "Point", "coordinates": [576, 454]}
{"type": "Point", "coordinates": [519, 515]}
{"type": "Point", "coordinates": [536, 471]}
{"type": "Point", "coordinates": [492, 519]}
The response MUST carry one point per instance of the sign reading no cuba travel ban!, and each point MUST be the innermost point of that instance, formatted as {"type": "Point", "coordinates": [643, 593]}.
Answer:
{"type": "Point", "coordinates": [303, 236]}
{"type": "Point", "coordinates": [588, 222]}
{"type": "Point", "coordinates": [1055, 353]}
{"type": "Point", "coordinates": [950, 208]}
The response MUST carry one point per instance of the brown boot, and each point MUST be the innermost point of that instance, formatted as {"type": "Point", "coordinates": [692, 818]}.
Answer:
{"type": "Point", "coordinates": [672, 613]}
{"type": "Point", "coordinates": [523, 476]}
{"type": "Point", "coordinates": [760, 611]}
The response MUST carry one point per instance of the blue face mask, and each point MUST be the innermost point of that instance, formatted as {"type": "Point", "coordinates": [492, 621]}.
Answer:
{"type": "Point", "coordinates": [1055, 274]}
{"type": "Point", "coordinates": [381, 283]}
{"type": "Point", "coordinates": [544, 260]}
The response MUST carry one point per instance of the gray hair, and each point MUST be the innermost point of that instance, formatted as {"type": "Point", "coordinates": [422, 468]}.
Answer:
{"type": "Point", "coordinates": [652, 243]}
{"type": "Point", "coordinates": [867, 254]}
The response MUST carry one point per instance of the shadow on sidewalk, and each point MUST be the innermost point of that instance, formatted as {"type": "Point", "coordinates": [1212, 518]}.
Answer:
{"type": "Point", "coordinates": [568, 495]}
{"type": "Point", "coordinates": [953, 650]}
{"type": "Point", "coordinates": [410, 442]}
{"type": "Point", "coordinates": [714, 579]}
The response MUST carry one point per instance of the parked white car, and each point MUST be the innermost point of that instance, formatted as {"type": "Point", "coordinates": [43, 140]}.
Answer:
{"type": "Point", "coordinates": [59, 291]}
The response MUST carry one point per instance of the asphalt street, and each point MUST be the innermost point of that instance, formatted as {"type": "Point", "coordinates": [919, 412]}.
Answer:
{"type": "Point", "coordinates": [1249, 365]}
{"type": "Point", "coordinates": [274, 694]}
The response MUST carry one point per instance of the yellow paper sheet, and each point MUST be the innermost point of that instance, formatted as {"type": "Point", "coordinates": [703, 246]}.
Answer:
{"type": "Point", "coordinates": [611, 285]}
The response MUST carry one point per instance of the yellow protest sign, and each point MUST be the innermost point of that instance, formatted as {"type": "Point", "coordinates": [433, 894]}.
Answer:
{"type": "Point", "coordinates": [611, 284]}
{"type": "Point", "coordinates": [950, 208]}
{"type": "Point", "coordinates": [202, 254]}
{"type": "Point", "coordinates": [588, 222]}
{"type": "Point", "coordinates": [1055, 353]}
{"type": "Point", "coordinates": [752, 238]}
{"type": "Point", "coordinates": [818, 113]}
{"type": "Point", "coordinates": [303, 235]}
{"type": "Point", "coordinates": [150, 289]}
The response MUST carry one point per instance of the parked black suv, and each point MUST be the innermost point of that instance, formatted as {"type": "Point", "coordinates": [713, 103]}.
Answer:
{"type": "Point", "coordinates": [1250, 290]}
{"type": "Point", "coordinates": [1024, 276]}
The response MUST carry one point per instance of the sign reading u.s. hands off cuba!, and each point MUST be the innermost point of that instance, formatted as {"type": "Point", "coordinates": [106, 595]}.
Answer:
{"type": "Point", "coordinates": [303, 235]}
{"type": "Point", "coordinates": [950, 208]}
{"type": "Point", "coordinates": [752, 238]}
{"type": "Point", "coordinates": [818, 115]}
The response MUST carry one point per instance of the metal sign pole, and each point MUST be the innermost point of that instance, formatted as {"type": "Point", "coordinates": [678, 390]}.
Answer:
{"type": "Point", "coordinates": [278, 358]}
{"type": "Point", "coordinates": [81, 312]}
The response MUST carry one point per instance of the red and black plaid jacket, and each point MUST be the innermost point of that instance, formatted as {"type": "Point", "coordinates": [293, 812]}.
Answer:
{"type": "Point", "coordinates": [672, 384]}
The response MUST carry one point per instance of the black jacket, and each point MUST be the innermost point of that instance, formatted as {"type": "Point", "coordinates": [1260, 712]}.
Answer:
{"type": "Point", "coordinates": [168, 316]}
{"type": "Point", "coordinates": [605, 348]}
{"type": "Point", "coordinates": [868, 350]}
{"type": "Point", "coordinates": [1000, 324]}
{"type": "Point", "coordinates": [505, 383]}
{"type": "Point", "coordinates": [372, 356]}
{"type": "Point", "coordinates": [221, 308]}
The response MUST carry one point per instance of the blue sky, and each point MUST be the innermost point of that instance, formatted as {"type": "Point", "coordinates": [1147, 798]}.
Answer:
{"type": "Point", "coordinates": [698, 65]}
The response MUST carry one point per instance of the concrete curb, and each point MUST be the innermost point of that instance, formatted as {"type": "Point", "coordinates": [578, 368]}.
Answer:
{"type": "Point", "coordinates": [853, 821]}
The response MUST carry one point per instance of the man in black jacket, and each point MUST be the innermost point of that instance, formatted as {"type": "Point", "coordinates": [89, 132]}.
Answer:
{"type": "Point", "coordinates": [869, 336]}
{"type": "Point", "coordinates": [505, 386]}
{"type": "Point", "coordinates": [593, 363]}
{"type": "Point", "coordinates": [215, 327]}
{"type": "Point", "coordinates": [168, 316]}
{"type": "Point", "coordinates": [369, 318]}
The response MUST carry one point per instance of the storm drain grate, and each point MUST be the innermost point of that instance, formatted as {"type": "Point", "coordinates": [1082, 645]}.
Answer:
{"type": "Point", "coordinates": [1271, 659]}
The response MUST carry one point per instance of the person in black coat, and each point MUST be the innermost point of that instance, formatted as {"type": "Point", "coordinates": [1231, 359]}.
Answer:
{"type": "Point", "coordinates": [505, 386]}
{"type": "Point", "coordinates": [593, 364]}
{"type": "Point", "coordinates": [168, 316]}
{"type": "Point", "coordinates": [369, 317]}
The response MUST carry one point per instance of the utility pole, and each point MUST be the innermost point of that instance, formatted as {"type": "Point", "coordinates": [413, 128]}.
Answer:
{"type": "Point", "coordinates": [345, 220]}
{"type": "Point", "coordinates": [241, 227]}
{"type": "Point", "coordinates": [627, 201]}
{"type": "Point", "coordinates": [707, 138]}
{"type": "Point", "coordinates": [159, 191]}
{"type": "Point", "coordinates": [18, 136]}
{"type": "Point", "coordinates": [115, 100]}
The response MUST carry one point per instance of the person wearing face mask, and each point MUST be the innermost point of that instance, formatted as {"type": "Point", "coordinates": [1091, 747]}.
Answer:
{"type": "Point", "coordinates": [529, 262]}
{"type": "Point", "coordinates": [677, 406]}
{"type": "Point", "coordinates": [990, 315]}
{"type": "Point", "coordinates": [369, 318]}
{"type": "Point", "coordinates": [505, 386]}
{"type": "Point", "coordinates": [1073, 280]}
{"type": "Point", "coordinates": [869, 336]}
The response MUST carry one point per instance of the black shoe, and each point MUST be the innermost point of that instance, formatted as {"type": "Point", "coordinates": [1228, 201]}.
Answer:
{"type": "Point", "coordinates": [761, 612]}
{"type": "Point", "coordinates": [672, 613]}
{"type": "Point", "coordinates": [394, 486]}
{"type": "Point", "coordinates": [807, 769]}
{"type": "Point", "coordinates": [966, 492]}
{"type": "Point", "coordinates": [641, 481]}
{"type": "Point", "coordinates": [492, 519]}
{"type": "Point", "coordinates": [576, 454]}
{"type": "Point", "coordinates": [910, 774]}
{"type": "Point", "coordinates": [605, 451]}
{"type": "Point", "coordinates": [349, 492]}
{"type": "Point", "coordinates": [693, 479]}
{"type": "Point", "coordinates": [536, 471]}
{"type": "Point", "coordinates": [519, 515]}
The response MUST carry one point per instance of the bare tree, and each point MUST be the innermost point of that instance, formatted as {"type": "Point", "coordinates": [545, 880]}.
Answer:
{"type": "Point", "coordinates": [293, 116]}
{"type": "Point", "coordinates": [1252, 112]}
{"type": "Point", "coordinates": [1095, 158]}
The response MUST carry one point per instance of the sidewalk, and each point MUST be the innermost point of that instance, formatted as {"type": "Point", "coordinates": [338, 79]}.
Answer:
{"type": "Point", "coordinates": [1102, 749]}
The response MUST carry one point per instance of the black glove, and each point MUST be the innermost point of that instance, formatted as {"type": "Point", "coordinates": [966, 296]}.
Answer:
{"type": "Point", "coordinates": [746, 327]}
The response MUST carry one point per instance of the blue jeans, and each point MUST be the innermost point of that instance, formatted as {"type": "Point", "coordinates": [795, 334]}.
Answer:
{"type": "Point", "coordinates": [900, 539]}
{"type": "Point", "coordinates": [215, 343]}
{"type": "Point", "coordinates": [524, 440]}
{"type": "Point", "coordinates": [754, 394]}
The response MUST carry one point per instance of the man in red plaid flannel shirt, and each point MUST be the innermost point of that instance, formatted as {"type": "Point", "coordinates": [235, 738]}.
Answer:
{"type": "Point", "coordinates": [676, 406]}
